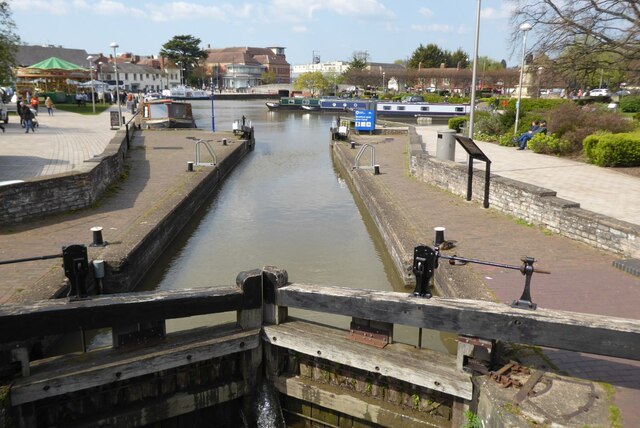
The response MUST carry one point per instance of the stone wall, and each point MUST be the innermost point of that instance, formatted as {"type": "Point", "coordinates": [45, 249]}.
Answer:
{"type": "Point", "coordinates": [54, 194]}
{"type": "Point", "coordinates": [535, 205]}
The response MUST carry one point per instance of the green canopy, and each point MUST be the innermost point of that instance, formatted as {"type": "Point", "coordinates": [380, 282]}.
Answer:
{"type": "Point", "coordinates": [54, 63]}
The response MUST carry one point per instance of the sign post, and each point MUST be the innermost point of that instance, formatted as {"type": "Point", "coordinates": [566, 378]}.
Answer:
{"type": "Point", "coordinates": [365, 120]}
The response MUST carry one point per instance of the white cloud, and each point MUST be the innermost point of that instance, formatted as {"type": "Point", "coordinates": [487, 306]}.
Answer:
{"type": "Point", "coordinates": [299, 29]}
{"type": "Point", "coordinates": [55, 7]}
{"type": "Point", "coordinates": [428, 28]}
{"type": "Point", "coordinates": [493, 13]}
{"type": "Point", "coordinates": [425, 12]}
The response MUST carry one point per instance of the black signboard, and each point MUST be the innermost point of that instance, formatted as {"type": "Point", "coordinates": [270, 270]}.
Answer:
{"type": "Point", "coordinates": [475, 153]}
{"type": "Point", "coordinates": [115, 119]}
{"type": "Point", "coordinates": [472, 148]}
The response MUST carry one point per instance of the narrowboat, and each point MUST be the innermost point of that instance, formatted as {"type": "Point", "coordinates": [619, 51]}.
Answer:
{"type": "Point", "coordinates": [421, 109]}
{"type": "Point", "coordinates": [167, 114]}
{"type": "Point", "coordinates": [293, 103]}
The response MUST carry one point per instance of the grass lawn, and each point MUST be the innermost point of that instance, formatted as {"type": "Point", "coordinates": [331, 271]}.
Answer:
{"type": "Point", "coordinates": [88, 109]}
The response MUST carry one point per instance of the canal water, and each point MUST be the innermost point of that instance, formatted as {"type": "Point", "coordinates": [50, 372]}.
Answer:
{"type": "Point", "coordinates": [285, 205]}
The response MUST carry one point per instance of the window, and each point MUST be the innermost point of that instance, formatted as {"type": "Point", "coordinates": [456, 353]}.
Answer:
{"type": "Point", "coordinates": [424, 108]}
{"type": "Point", "coordinates": [386, 107]}
{"type": "Point", "coordinates": [459, 109]}
{"type": "Point", "coordinates": [401, 108]}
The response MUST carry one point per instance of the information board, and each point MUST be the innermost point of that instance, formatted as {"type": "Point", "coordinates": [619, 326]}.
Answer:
{"type": "Point", "coordinates": [365, 120]}
{"type": "Point", "coordinates": [115, 122]}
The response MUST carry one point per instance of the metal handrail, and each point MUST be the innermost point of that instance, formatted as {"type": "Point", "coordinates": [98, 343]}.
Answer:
{"type": "Point", "coordinates": [206, 144]}
{"type": "Point", "coordinates": [359, 155]}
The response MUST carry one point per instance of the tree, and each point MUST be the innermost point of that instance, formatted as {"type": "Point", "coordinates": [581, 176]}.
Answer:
{"type": "Point", "coordinates": [588, 34]}
{"type": "Point", "coordinates": [184, 50]}
{"type": "Point", "coordinates": [9, 41]}
{"type": "Point", "coordinates": [358, 60]}
{"type": "Point", "coordinates": [430, 56]}
{"type": "Point", "coordinates": [314, 81]}
{"type": "Point", "coordinates": [268, 77]}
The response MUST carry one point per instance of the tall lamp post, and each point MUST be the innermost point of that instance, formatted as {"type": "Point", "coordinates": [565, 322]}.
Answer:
{"type": "Point", "coordinates": [384, 91]}
{"type": "Point", "coordinates": [113, 46]}
{"type": "Point", "coordinates": [93, 89]}
{"type": "Point", "coordinates": [475, 71]}
{"type": "Point", "coordinates": [525, 27]}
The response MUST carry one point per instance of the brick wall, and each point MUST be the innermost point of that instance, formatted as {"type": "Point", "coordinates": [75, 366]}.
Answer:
{"type": "Point", "coordinates": [531, 203]}
{"type": "Point", "coordinates": [59, 193]}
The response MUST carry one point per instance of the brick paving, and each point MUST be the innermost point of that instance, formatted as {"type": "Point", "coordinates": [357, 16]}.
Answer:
{"type": "Point", "coordinates": [582, 278]}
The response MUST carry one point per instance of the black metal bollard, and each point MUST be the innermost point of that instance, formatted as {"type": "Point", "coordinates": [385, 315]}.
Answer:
{"type": "Point", "coordinates": [76, 268]}
{"type": "Point", "coordinates": [424, 263]}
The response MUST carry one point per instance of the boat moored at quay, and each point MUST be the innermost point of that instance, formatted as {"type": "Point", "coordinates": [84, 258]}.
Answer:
{"type": "Point", "coordinates": [400, 109]}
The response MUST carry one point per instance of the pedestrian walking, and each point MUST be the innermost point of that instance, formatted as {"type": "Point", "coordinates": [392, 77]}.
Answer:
{"type": "Point", "coordinates": [27, 117]}
{"type": "Point", "coordinates": [49, 104]}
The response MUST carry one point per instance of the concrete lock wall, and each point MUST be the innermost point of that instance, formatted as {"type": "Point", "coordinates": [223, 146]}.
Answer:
{"type": "Point", "coordinates": [58, 193]}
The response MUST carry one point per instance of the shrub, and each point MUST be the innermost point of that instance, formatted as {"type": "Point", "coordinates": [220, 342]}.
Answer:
{"type": "Point", "coordinates": [507, 140]}
{"type": "Point", "coordinates": [488, 124]}
{"type": "Point", "coordinates": [630, 104]}
{"type": "Point", "coordinates": [458, 122]}
{"type": "Point", "coordinates": [614, 149]}
{"type": "Point", "coordinates": [549, 145]}
{"type": "Point", "coordinates": [573, 123]}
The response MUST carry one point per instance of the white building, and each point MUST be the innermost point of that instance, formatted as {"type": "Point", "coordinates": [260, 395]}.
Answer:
{"type": "Point", "coordinates": [326, 68]}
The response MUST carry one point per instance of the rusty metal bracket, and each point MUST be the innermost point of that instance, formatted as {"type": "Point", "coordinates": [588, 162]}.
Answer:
{"type": "Point", "coordinates": [527, 389]}
{"type": "Point", "coordinates": [368, 335]}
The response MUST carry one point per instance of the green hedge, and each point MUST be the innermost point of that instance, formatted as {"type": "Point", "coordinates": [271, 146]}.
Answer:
{"type": "Point", "coordinates": [458, 122]}
{"type": "Point", "coordinates": [630, 104]}
{"type": "Point", "coordinates": [613, 149]}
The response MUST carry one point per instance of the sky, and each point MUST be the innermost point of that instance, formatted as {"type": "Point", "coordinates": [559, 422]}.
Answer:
{"type": "Point", "coordinates": [388, 30]}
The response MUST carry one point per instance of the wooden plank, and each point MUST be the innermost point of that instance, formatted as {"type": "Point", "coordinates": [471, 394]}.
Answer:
{"type": "Point", "coordinates": [178, 404]}
{"type": "Point", "coordinates": [421, 367]}
{"type": "Point", "coordinates": [346, 403]}
{"type": "Point", "coordinates": [595, 334]}
{"type": "Point", "coordinates": [75, 372]}
{"type": "Point", "coordinates": [21, 322]}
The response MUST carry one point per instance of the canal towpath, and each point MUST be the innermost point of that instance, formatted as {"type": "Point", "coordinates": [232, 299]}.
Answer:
{"type": "Point", "coordinates": [582, 278]}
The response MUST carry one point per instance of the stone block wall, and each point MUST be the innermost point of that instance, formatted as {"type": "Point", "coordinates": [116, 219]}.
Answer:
{"type": "Point", "coordinates": [535, 205]}
{"type": "Point", "coordinates": [53, 194]}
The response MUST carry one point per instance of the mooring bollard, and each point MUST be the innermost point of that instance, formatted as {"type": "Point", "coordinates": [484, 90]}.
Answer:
{"type": "Point", "coordinates": [439, 235]}
{"type": "Point", "coordinates": [190, 166]}
{"type": "Point", "coordinates": [353, 144]}
{"type": "Point", "coordinates": [376, 170]}
{"type": "Point", "coordinates": [224, 141]}
{"type": "Point", "coordinates": [97, 237]}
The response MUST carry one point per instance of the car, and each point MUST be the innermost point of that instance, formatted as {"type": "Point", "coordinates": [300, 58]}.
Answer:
{"type": "Point", "coordinates": [622, 92]}
{"type": "Point", "coordinates": [599, 92]}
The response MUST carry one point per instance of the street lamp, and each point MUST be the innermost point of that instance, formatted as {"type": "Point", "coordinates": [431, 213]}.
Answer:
{"type": "Point", "coordinates": [525, 27]}
{"type": "Point", "coordinates": [113, 46]}
{"type": "Point", "coordinates": [474, 73]}
{"type": "Point", "coordinates": [384, 91]}
{"type": "Point", "coordinates": [93, 90]}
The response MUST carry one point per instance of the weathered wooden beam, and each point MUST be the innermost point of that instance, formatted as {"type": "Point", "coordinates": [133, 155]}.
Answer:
{"type": "Point", "coordinates": [178, 404]}
{"type": "Point", "coordinates": [76, 372]}
{"type": "Point", "coordinates": [378, 413]}
{"type": "Point", "coordinates": [595, 334]}
{"type": "Point", "coordinates": [423, 367]}
{"type": "Point", "coordinates": [273, 278]}
{"type": "Point", "coordinates": [57, 316]}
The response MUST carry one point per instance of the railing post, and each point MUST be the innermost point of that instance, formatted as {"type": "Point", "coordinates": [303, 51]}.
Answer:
{"type": "Point", "coordinates": [274, 278]}
{"type": "Point", "coordinates": [250, 317]}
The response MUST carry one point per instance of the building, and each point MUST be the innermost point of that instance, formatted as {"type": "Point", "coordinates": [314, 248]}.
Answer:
{"type": "Point", "coordinates": [238, 68]}
{"type": "Point", "coordinates": [326, 68]}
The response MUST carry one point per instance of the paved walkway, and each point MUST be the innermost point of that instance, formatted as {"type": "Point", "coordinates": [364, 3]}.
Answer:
{"type": "Point", "coordinates": [61, 142]}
